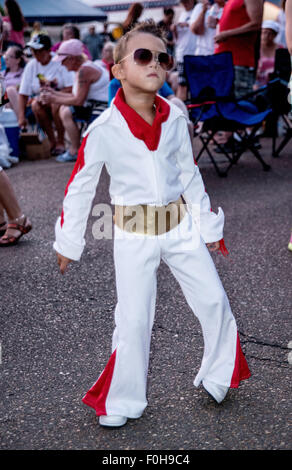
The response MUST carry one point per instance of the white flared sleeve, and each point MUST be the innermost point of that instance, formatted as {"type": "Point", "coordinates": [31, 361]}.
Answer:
{"type": "Point", "coordinates": [80, 191]}
{"type": "Point", "coordinates": [210, 224]}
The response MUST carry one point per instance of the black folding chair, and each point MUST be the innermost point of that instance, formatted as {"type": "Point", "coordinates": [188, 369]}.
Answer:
{"type": "Point", "coordinates": [280, 100]}
{"type": "Point", "coordinates": [84, 116]}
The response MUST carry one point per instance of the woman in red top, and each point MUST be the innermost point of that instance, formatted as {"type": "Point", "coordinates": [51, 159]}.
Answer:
{"type": "Point", "coordinates": [16, 22]}
{"type": "Point", "coordinates": [239, 28]}
{"type": "Point", "coordinates": [238, 31]}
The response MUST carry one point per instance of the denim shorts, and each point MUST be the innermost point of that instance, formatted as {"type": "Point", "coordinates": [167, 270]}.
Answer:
{"type": "Point", "coordinates": [87, 113]}
{"type": "Point", "coordinates": [244, 79]}
{"type": "Point", "coordinates": [181, 75]}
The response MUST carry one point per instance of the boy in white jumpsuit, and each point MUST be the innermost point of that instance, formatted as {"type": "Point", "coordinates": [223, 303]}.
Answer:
{"type": "Point", "coordinates": [143, 140]}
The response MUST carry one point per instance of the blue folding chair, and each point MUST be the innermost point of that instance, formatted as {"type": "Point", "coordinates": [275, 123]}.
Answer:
{"type": "Point", "coordinates": [212, 101]}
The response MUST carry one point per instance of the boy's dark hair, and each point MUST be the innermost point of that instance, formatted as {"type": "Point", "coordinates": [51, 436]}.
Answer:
{"type": "Point", "coordinates": [147, 26]}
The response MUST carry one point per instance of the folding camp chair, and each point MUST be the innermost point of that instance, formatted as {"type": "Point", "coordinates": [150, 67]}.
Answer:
{"type": "Point", "coordinates": [84, 116]}
{"type": "Point", "coordinates": [280, 100]}
{"type": "Point", "coordinates": [210, 83]}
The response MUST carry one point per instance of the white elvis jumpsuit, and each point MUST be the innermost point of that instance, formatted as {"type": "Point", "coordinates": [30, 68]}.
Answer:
{"type": "Point", "coordinates": [150, 165]}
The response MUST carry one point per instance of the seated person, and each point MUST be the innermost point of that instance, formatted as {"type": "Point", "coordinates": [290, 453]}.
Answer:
{"type": "Point", "coordinates": [42, 71]}
{"type": "Point", "coordinates": [15, 63]}
{"type": "Point", "coordinates": [107, 57]}
{"type": "Point", "coordinates": [266, 63]}
{"type": "Point", "coordinates": [89, 94]}
{"type": "Point", "coordinates": [13, 222]}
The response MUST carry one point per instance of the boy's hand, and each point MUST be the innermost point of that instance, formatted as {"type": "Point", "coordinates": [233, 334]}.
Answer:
{"type": "Point", "coordinates": [63, 262]}
{"type": "Point", "coordinates": [213, 246]}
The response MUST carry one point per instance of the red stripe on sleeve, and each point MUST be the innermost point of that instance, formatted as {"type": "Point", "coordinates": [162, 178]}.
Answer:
{"type": "Point", "coordinates": [77, 167]}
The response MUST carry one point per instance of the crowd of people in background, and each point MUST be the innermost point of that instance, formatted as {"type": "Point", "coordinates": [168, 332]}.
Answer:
{"type": "Point", "coordinates": [37, 80]}
{"type": "Point", "coordinates": [63, 86]}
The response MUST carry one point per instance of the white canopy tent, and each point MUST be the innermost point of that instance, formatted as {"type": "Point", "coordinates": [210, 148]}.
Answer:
{"type": "Point", "coordinates": [57, 12]}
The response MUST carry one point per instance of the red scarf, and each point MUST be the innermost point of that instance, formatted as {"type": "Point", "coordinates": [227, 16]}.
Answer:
{"type": "Point", "coordinates": [138, 126]}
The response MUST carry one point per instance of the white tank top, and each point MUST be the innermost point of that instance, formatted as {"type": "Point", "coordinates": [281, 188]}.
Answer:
{"type": "Point", "coordinates": [98, 90]}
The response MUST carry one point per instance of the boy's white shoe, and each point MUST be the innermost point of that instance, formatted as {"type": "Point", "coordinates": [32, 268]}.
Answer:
{"type": "Point", "coordinates": [217, 392]}
{"type": "Point", "coordinates": [113, 421]}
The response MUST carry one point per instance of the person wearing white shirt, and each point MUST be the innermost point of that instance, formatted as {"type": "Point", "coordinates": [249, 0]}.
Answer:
{"type": "Point", "coordinates": [17, 223]}
{"type": "Point", "coordinates": [204, 20]}
{"type": "Point", "coordinates": [88, 98]}
{"type": "Point", "coordinates": [143, 140]}
{"type": "Point", "coordinates": [185, 44]}
{"type": "Point", "coordinates": [40, 72]}
{"type": "Point", "coordinates": [281, 19]}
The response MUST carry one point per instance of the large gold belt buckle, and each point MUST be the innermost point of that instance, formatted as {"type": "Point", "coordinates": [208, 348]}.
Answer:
{"type": "Point", "coordinates": [149, 220]}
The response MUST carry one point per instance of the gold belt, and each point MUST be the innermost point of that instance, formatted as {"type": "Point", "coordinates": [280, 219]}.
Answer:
{"type": "Point", "coordinates": [149, 220]}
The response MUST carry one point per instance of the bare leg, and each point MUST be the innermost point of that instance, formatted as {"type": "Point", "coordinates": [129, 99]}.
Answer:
{"type": "Point", "coordinates": [2, 215]}
{"type": "Point", "coordinates": [71, 128]}
{"type": "Point", "coordinates": [59, 126]}
{"type": "Point", "coordinates": [8, 199]}
{"type": "Point", "coordinates": [12, 94]}
{"type": "Point", "coordinates": [9, 203]}
{"type": "Point", "coordinates": [181, 92]}
{"type": "Point", "coordinates": [173, 81]}
{"type": "Point", "coordinates": [43, 118]}
{"type": "Point", "coordinates": [223, 137]}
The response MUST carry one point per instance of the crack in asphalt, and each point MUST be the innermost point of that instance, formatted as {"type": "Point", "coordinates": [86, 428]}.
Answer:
{"type": "Point", "coordinates": [247, 338]}
{"type": "Point", "coordinates": [267, 359]}
{"type": "Point", "coordinates": [254, 340]}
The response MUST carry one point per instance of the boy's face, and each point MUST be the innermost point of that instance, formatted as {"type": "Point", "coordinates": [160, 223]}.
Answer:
{"type": "Point", "coordinates": [146, 78]}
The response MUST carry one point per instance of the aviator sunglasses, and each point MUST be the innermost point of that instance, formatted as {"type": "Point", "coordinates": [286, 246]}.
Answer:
{"type": "Point", "coordinates": [145, 56]}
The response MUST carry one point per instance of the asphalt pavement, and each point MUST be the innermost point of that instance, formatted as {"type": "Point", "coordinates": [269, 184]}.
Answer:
{"type": "Point", "coordinates": [55, 331]}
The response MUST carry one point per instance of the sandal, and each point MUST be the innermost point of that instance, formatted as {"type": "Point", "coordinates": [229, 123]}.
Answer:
{"type": "Point", "coordinates": [8, 240]}
{"type": "Point", "coordinates": [3, 228]}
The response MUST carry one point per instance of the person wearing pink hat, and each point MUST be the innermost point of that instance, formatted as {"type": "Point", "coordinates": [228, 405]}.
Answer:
{"type": "Point", "coordinates": [90, 86]}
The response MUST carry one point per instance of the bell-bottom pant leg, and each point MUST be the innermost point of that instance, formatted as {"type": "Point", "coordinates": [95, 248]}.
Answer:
{"type": "Point", "coordinates": [191, 263]}
{"type": "Point", "coordinates": [121, 388]}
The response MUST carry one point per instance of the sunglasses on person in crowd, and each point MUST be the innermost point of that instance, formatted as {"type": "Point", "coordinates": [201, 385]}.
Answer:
{"type": "Point", "coordinates": [145, 56]}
